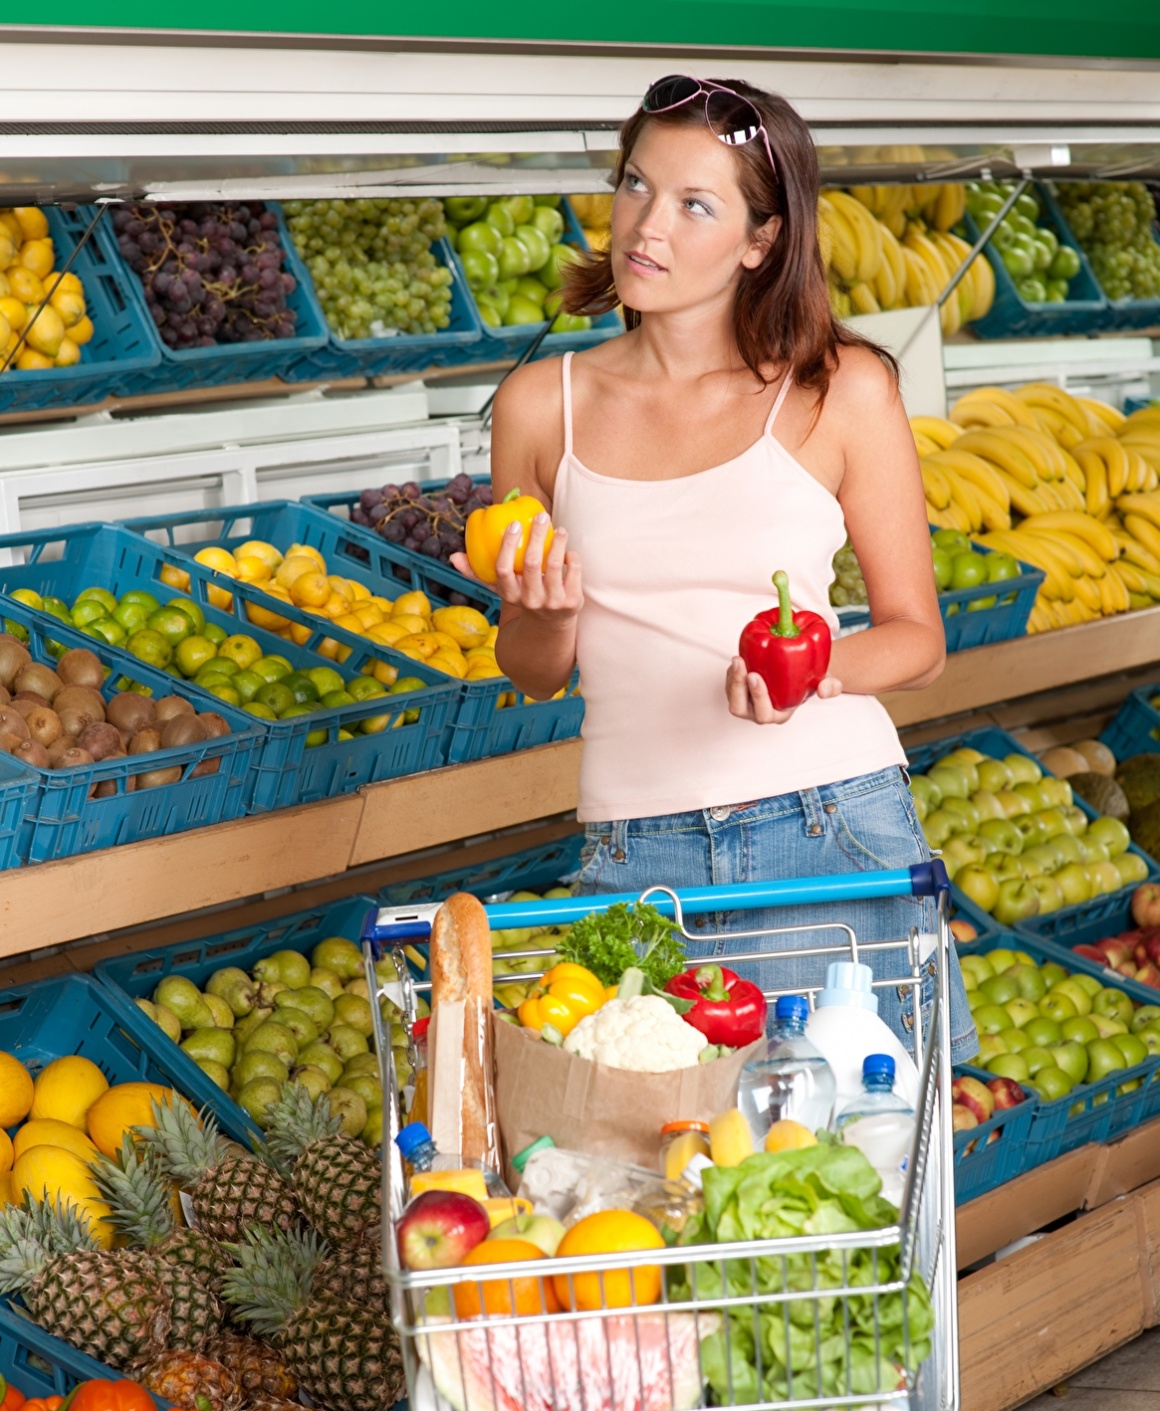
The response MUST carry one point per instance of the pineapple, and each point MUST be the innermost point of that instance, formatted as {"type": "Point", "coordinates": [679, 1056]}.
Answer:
{"type": "Point", "coordinates": [142, 1211]}
{"type": "Point", "coordinates": [231, 1189]}
{"type": "Point", "coordinates": [336, 1179]}
{"type": "Point", "coordinates": [116, 1306]}
{"type": "Point", "coordinates": [344, 1356]}
{"type": "Point", "coordinates": [180, 1377]}
{"type": "Point", "coordinates": [261, 1402]}
{"type": "Point", "coordinates": [260, 1371]}
{"type": "Point", "coordinates": [353, 1273]}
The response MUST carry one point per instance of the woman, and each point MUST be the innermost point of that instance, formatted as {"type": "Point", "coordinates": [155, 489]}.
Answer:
{"type": "Point", "coordinates": [735, 428]}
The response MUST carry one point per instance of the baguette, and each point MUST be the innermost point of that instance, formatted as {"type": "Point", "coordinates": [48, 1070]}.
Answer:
{"type": "Point", "coordinates": [461, 975]}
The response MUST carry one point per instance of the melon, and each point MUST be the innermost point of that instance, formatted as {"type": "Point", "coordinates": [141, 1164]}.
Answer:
{"type": "Point", "coordinates": [1064, 761]}
{"type": "Point", "coordinates": [1100, 759]}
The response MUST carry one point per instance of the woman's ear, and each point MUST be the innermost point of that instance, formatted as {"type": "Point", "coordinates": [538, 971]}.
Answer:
{"type": "Point", "coordinates": [763, 240]}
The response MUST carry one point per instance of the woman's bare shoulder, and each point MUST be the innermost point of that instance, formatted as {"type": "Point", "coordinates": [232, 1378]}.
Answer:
{"type": "Point", "coordinates": [860, 377]}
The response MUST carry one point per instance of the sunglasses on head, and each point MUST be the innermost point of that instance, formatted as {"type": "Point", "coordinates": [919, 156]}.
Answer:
{"type": "Point", "coordinates": [731, 119]}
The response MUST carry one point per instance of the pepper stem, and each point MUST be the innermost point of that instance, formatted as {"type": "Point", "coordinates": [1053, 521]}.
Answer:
{"type": "Point", "coordinates": [785, 623]}
{"type": "Point", "coordinates": [511, 495]}
{"type": "Point", "coordinates": [711, 983]}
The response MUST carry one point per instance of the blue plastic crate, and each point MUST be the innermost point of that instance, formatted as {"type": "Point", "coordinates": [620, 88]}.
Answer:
{"type": "Point", "coordinates": [1086, 310]}
{"type": "Point", "coordinates": [492, 718]}
{"type": "Point", "coordinates": [1118, 313]}
{"type": "Point", "coordinates": [123, 350]}
{"type": "Point", "coordinates": [286, 770]}
{"type": "Point", "coordinates": [19, 790]}
{"type": "Point", "coordinates": [1136, 728]}
{"type": "Point", "coordinates": [981, 1163]}
{"type": "Point", "coordinates": [1091, 1112]}
{"type": "Point", "coordinates": [998, 743]}
{"type": "Point", "coordinates": [453, 346]}
{"type": "Point", "coordinates": [176, 369]}
{"type": "Point", "coordinates": [41, 1365]}
{"type": "Point", "coordinates": [510, 341]}
{"type": "Point", "coordinates": [61, 818]}
{"type": "Point", "coordinates": [533, 870]}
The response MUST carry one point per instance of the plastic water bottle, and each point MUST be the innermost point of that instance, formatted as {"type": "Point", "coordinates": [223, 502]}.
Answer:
{"type": "Point", "coordinates": [880, 1124]}
{"type": "Point", "coordinates": [791, 1080]}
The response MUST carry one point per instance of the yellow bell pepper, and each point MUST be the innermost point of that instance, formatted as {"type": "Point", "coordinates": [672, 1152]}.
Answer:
{"type": "Point", "coordinates": [485, 531]}
{"type": "Point", "coordinates": [564, 996]}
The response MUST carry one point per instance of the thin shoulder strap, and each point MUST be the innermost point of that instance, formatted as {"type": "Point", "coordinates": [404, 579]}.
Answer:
{"type": "Point", "coordinates": [567, 374]}
{"type": "Point", "coordinates": [781, 396]}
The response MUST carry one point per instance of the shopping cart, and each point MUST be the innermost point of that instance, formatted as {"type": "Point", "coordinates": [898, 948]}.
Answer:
{"type": "Point", "coordinates": [820, 1320]}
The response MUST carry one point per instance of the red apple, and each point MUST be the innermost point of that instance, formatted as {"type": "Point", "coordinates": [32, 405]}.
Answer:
{"type": "Point", "coordinates": [962, 1118]}
{"type": "Point", "coordinates": [1146, 904]}
{"type": "Point", "coordinates": [1140, 953]}
{"type": "Point", "coordinates": [1149, 975]}
{"type": "Point", "coordinates": [1007, 1092]}
{"type": "Point", "coordinates": [439, 1229]}
{"type": "Point", "coordinates": [1091, 953]}
{"type": "Point", "coordinates": [963, 931]}
{"type": "Point", "coordinates": [975, 1097]}
{"type": "Point", "coordinates": [1152, 947]}
{"type": "Point", "coordinates": [1115, 950]}
{"type": "Point", "coordinates": [1128, 968]}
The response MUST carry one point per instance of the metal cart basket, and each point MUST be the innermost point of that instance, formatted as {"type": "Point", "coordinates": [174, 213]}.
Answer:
{"type": "Point", "coordinates": [854, 1318]}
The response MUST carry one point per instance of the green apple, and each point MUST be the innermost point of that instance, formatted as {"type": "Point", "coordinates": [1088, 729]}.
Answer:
{"type": "Point", "coordinates": [1056, 791]}
{"type": "Point", "coordinates": [1052, 973]}
{"type": "Point", "coordinates": [951, 781]}
{"type": "Point", "coordinates": [1087, 982]}
{"type": "Point", "coordinates": [940, 826]}
{"type": "Point", "coordinates": [488, 312]}
{"type": "Point", "coordinates": [1002, 832]}
{"type": "Point", "coordinates": [1051, 1083]}
{"type": "Point", "coordinates": [979, 966]}
{"type": "Point", "coordinates": [1050, 893]}
{"type": "Point", "coordinates": [994, 775]}
{"type": "Point", "coordinates": [922, 788]}
{"type": "Point", "coordinates": [514, 259]}
{"type": "Point", "coordinates": [1079, 1030]}
{"type": "Point", "coordinates": [1044, 1031]}
{"type": "Point", "coordinates": [1030, 981]}
{"type": "Point", "coordinates": [1114, 1003]}
{"type": "Point", "coordinates": [1075, 883]}
{"type": "Point", "coordinates": [1069, 847]}
{"type": "Point", "coordinates": [991, 1019]}
{"type": "Point", "coordinates": [975, 999]}
{"type": "Point", "coordinates": [1002, 959]}
{"type": "Point", "coordinates": [1015, 1039]}
{"type": "Point", "coordinates": [1105, 876]}
{"type": "Point", "coordinates": [1051, 820]}
{"type": "Point", "coordinates": [500, 219]}
{"type": "Point", "coordinates": [461, 209]}
{"type": "Point", "coordinates": [522, 208]}
{"type": "Point", "coordinates": [1058, 1006]}
{"type": "Point", "coordinates": [522, 311]}
{"type": "Point", "coordinates": [537, 244]}
{"type": "Point", "coordinates": [480, 236]}
{"type": "Point", "coordinates": [978, 884]}
{"type": "Point", "coordinates": [1033, 793]}
{"type": "Point", "coordinates": [480, 267]}
{"type": "Point", "coordinates": [1000, 989]}
{"type": "Point", "coordinates": [970, 983]}
{"type": "Point", "coordinates": [1009, 1065]}
{"type": "Point", "coordinates": [1014, 805]}
{"type": "Point", "coordinates": [1036, 1058]}
{"type": "Point", "coordinates": [1093, 850]}
{"type": "Point", "coordinates": [989, 1046]}
{"type": "Point", "coordinates": [1073, 1059]}
{"type": "Point", "coordinates": [1150, 1037]}
{"type": "Point", "coordinates": [1131, 867]}
{"type": "Point", "coordinates": [559, 258]}
{"type": "Point", "coordinates": [964, 851]}
{"type": "Point", "coordinates": [1132, 1047]}
{"type": "Point", "coordinates": [965, 809]}
{"type": "Point", "coordinates": [1103, 1058]}
{"type": "Point", "coordinates": [1145, 1015]}
{"type": "Point", "coordinates": [1111, 832]}
{"type": "Point", "coordinates": [1077, 820]}
{"type": "Point", "coordinates": [1017, 901]}
{"type": "Point", "coordinates": [1108, 1026]}
{"type": "Point", "coordinates": [1005, 867]}
{"type": "Point", "coordinates": [1076, 993]}
{"type": "Point", "coordinates": [1031, 826]}
{"type": "Point", "coordinates": [530, 288]}
{"type": "Point", "coordinates": [987, 805]}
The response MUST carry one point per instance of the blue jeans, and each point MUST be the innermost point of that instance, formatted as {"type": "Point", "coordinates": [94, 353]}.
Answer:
{"type": "Point", "coordinates": [859, 825]}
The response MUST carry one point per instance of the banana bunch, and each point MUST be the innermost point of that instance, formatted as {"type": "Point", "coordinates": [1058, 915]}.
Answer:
{"type": "Point", "coordinates": [1135, 523]}
{"type": "Point", "coordinates": [850, 240]}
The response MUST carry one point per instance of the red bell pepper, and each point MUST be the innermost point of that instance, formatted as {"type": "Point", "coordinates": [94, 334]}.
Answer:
{"type": "Point", "coordinates": [789, 650]}
{"type": "Point", "coordinates": [726, 1009]}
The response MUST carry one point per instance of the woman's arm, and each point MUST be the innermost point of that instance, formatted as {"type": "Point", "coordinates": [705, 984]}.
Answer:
{"type": "Point", "coordinates": [536, 645]}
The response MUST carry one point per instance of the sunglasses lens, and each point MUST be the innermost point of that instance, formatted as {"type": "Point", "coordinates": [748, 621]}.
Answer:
{"type": "Point", "coordinates": [734, 120]}
{"type": "Point", "coordinates": [670, 92]}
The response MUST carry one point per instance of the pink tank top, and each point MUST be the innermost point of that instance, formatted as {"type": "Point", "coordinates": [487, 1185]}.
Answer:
{"type": "Point", "coordinates": [673, 570]}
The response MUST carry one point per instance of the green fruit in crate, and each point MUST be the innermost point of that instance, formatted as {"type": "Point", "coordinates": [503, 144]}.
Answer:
{"type": "Point", "coordinates": [273, 1037]}
{"type": "Point", "coordinates": [320, 1055]}
{"type": "Point", "coordinates": [368, 1087]}
{"type": "Point", "coordinates": [350, 1108]}
{"type": "Point", "coordinates": [314, 1080]}
{"type": "Point", "coordinates": [223, 1015]}
{"type": "Point", "coordinates": [328, 981]}
{"type": "Point", "coordinates": [315, 1003]}
{"type": "Point", "coordinates": [257, 1063]}
{"type": "Point", "coordinates": [257, 1097]}
{"type": "Point", "coordinates": [354, 1012]}
{"type": "Point", "coordinates": [172, 623]}
{"type": "Point", "coordinates": [287, 967]}
{"type": "Point", "coordinates": [1051, 1083]}
{"type": "Point", "coordinates": [536, 243]}
{"type": "Point", "coordinates": [300, 1024]}
{"type": "Point", "coordinates": [216, 1045]}
{"type": "Point", "coordinates": [339, 955]}
{"type": "Point", "coordinates": [184, 1000]}
{"type": "Point", "coordinates": [216, 1073]}
{"type": "Point", "coordinates": [347, 1041]}
{"type": "Point", "coordinates": [368, 1062]}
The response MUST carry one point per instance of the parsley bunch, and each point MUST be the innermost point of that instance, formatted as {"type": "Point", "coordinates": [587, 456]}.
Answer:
{"type": "Point", "coordinates": [610, 942]}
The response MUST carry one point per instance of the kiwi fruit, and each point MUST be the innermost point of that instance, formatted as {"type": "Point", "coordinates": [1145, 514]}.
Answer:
{"type": "Point", "coordinates": [169, 706]}
{"type": "Point", "coordinates": [58, 748]}
{"type": "Point", "coordinates": [9, 742]}
{"type": "Point", "coordinates": [207, 766]}
{"type": "Point", "coordinates": [155, 778]}
{"type": "Point", "coordinates": [33, 698]}
{"type": "Point", "coordinates": [33, 752]}
{"type": "Point", "coordinates": [12, 722]}
{"type": "Point", "coordinates": [38, 678]}
{"type": "Point", "coordinates": [81, 698]}
{"type": "Point", "coordinates": [24, 707]}
{"type": "Point", "coordinates": [131, 712]}
{"type": "Point", "coordinates": [74, 756]}
{"type": "Point", "coordinates": [13, 656]}
{"type": "Point", "coordinates": [145, 741]}
{"type": "Point", "coordinates": [80, 667]}
{"type": "Point", "coordinates": [44, 725]}
{"type": "Point", "coordinates": [218, 725]}
{"type": "Point", "coordinates": [101, 741]}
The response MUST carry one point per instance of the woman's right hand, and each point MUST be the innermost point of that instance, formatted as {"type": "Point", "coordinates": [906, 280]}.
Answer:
{"type": "Point", "coordinates": [550, 589]}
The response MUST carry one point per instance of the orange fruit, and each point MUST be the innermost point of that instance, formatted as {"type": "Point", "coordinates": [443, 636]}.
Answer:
{"type": "Point", "coordinates": [608, 1232]}
{"type": "Point", "coordinates": [503, 1297]}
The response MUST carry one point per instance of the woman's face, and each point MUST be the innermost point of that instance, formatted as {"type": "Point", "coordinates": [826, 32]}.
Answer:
{"type": "Point", "coordinates": [680, 224]}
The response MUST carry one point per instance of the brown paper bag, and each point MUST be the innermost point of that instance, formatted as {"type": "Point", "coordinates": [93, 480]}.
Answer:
{"type": "Point", "coordinates": [583, 1106]}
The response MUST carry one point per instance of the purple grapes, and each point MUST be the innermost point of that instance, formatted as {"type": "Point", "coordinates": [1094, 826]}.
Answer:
{"type": "Point", "coordinates": [432, 524]}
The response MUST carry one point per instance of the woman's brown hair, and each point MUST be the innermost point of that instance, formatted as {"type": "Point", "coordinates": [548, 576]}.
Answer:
{"type": "Point", "coordinates": [781, 315]}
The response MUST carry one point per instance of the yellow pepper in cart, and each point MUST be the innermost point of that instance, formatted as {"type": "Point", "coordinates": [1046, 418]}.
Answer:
{"type": "Point", "coordinates": [565, 995]}
{"type": "Point", "coordinates": [486, 527]}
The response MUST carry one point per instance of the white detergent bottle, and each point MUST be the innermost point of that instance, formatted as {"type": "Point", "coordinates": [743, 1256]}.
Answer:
{"type": "Point", "coordinates": [846, 1030]}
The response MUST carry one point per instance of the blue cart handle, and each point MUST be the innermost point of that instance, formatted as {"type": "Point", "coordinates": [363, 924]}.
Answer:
{"type": "Point", "coordinates": [925, 879]}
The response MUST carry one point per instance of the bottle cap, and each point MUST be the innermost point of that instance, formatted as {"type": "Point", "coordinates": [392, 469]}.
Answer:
{"type": "Point", "coordinates": [878, 1065]}
{"type": "Point", "coordinates": [420, 1027]}
{"type": "Point", "coordinates": [411, 1138]}
{"type": "Point", "coordinates": [849, 984]}
{"type": "Point", "coordinates": [795, 1008]}
{"type": "Point", "coordinates": [670, 1128]}
{"type": "Point", "coordinates": [696, 1165]}
{"type": "Point", "coordinates": [521, 1158]}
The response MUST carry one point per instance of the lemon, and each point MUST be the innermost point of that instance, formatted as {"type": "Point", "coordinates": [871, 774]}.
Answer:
{"type": "Point", "coordinates": [788, 1135]}
{"type": "Point", "coordinates": [174, 577]}
{"type": "Point", "coordinates": [387, 633]}
{"type": "Point", "coordinates": [450, 665]}
{"type": "Point", "coordinates": [221, 560]}
{"type": "Point", "coordinates": [68, 354]}
{"type": "Point", "coordinates": [38, 256]}
{"type": "Point", "coordinates": [468, 627]}
{"type": "Point", "coordinates": [307, 551]}
{"type": "Point", "coordinates": [15, 1091]}
{"type": "Point", "coordinates": [25, 285]}
{"type": "Point", "coordinates": [32, 220]}
{"type": "Point", "coordinates": [294, 566]}
{"type": "Point", "coordinates": [359, 591]}
{"type": "Point", "coordinates": [411, 621]}
{"type": "Point", "coordinates": [14, 311]}
{"type": "Point", "coordinates": [46, 332]}
{"type": "Point", "coordinates": [47, 1132]}
{"type": "Point", "coordinates": [7, 1155]}
{"type": "Point", "coordinates": [412, 604]}
{"type": "Point", "coordinates": [71, 307]}
{"type": "Point", "coordinates": [310, 590]}
{"type": "Point", "coordinates": [368, 615]}
{"type": "Point", "coordinates": [81, 332]}
{"type": "Point", "coordinates": [259, 549]}
{"type": "Point", "coordinates": [54, 1174]}
{"type": "Point", "coordinates": [66, 1089]}
{"type": "Point", "coordinates": [32, 361]}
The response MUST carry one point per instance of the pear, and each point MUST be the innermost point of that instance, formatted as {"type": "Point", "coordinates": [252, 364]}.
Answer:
{"type": "Point", "coordinates": [372, 1133]}
{"type": "Point", "coordinates": [217, 1075]}
{"type": "Point", "coordinates": [368, 1088]}
{"type": "Point", "coordinates": [235, 987]}
{"type": "Point", "coordinates": [321, 1055]}
{"type": "Point", "coordinates": [314, 1080]}
{"type": "Point", "coordinates": [340, 955]}
{"type": "Point", "coordinates": [275, 1038]}
{"type": "Point", "coordinates": [311, 1001]}
{"type": "Point", "coordinates": [223, 1015]}
{"type": "Point", "coordinates": [254, 1020]}
{"type": "Point", "coordinates": [358, 987]}
{"type": "Point", "coordinates": [256, 1063]}
{"type": "Point", "coordinates": [184, 999]}
{"type": "Point", "coordinates": [257, 1097]}
{"type": "Point", "coordinates": [355, 1012]}
{"type": "Point", "coordinates": [362, 1063]}
{"type": "Point", "coordinates": [216, 1045]}
{"type": "Point", "coordinates": [350, 1107]}
{"type": "Point", "coordinates": [300, 1024]}
{"type": "Point", "coordinates": [326, 981]}
{"type": "Point", "coordinates": [288, 967]}
{"type": "Point", "coordinates": [347, 1041]}
{"type": "Point", "coordinates": [168, 1022]}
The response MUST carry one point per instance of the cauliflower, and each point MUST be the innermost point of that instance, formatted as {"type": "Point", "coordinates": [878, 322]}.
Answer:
{"type": "Point", "coordinates": [644, 1034]}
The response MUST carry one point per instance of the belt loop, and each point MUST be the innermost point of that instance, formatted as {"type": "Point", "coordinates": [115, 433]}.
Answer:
{"type": "Point", "coordinates": [812, 818]}
{"type": "Point", "coordinates": [620, 840]}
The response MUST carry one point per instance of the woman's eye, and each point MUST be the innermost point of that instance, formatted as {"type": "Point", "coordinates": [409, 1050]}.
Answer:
{"type": "Point", "coordinates": [700, 206]}
{"type": "Point", "coordinates": [633, 183]}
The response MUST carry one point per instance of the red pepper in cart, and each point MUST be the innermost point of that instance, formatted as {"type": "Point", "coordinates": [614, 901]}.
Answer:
{"type": "Point", "coordinates": [789, 650]}
{"type": "Point", "coordinates": [726, 1009]}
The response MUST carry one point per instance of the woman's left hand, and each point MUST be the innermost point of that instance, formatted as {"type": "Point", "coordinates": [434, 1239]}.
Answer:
{"type": "Point", "coordinates": [748, 696]}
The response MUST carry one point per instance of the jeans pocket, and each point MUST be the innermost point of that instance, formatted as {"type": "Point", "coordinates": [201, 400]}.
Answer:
{"type": "Point", "coordinates": [876, 830]}
{"type": "Point", "coordinates": [603, 846]}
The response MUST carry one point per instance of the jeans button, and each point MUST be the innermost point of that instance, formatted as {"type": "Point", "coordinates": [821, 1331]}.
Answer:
{"type": "Point", "coordinates": [618, 855]}
{"type": "Point", "coordinates": [719, 814]}
{"type": "Point", "coordinates": [699, 922]}
{"type": "Point", "coordinates": [831, 808]}
{"type": "Point", "coordinates": [815, 830]}
{"type": "Point", "coordinates": [606, 838]}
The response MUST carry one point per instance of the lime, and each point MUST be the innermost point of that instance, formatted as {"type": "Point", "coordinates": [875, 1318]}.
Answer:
{"type": "Point", "coordinates": [214, 633]}
{"type": "Point", "coordinates": [58, 609]}
{"type": "Point", "coordinates": [263, 712]}
{"type": "Point", "coordinates": [305, 691]}
{"type": "Point", "coordinates": [376, 724]}
{"type": "Point", "coordinates": [952, 540]}
{"type": "Point", "coordinates": [194, 653]}
{"type": "Point", "coordinates": [1000, 567]}
{"type": "Point", "coordinates": [174, 625]}
{"type": "Point", "coordinates": [131, 616]}
{"type": "Point", "coordinates": [276, 697]}
{"type": "Point", "coordinates": [192, 610]}
{"type": "Point", "coordinates": [208, 676]}
{"type": "Point", "coordinates": [314, 737]}
{"type": "Point", "coordinates": [242, 649]}
{"type": "Point", "coordinates": [968, 570]}
{"type": "Point", "coordinates": [150, 647]}
{"type": "Point", "coordinates": [402, 685]}
{"type": "Point", "coordinates": [142, 598]}
{"type": "Point", "coordinates": [100, 595]}
{"type": "Point", "coordinates": [364, 688]}
{"type": "Point", "coordinates": [335, 700]}
{"type": "Point", "coordinates": [942, 569]}
{"type": "Point", "coordinates": [110, 630]}
{"type": "Point", "coordinates": [325, 679]}
{"type": "Point", "coordinates": [223, 666]}
{"type": "Point", "coordinates": [224, 693]}
{"type": "Point", "coordinates": [272, 668]}
{"type": "Point", "coordinates": [247, 684]}
{"type": "Point", "coordinates": [90, 610]}
{"type": "Point", "coordinates": [29, 597]}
